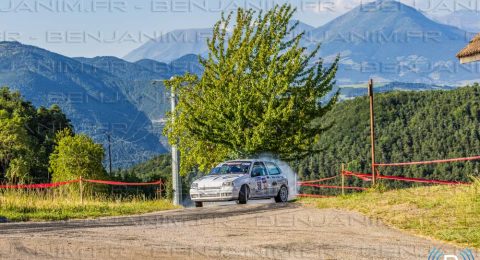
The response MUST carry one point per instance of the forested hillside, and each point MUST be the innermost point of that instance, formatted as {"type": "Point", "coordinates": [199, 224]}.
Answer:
{"type": "Point", "coordinates": [159, 167]}
{"type": "Point", "coordinates": [410, 126]}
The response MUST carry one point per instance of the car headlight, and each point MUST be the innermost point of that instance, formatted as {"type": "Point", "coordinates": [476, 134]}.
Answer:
{"type": "Point", "coordinates": [194, 186]}
{"type": "Point", "coordinates": [228, 184]}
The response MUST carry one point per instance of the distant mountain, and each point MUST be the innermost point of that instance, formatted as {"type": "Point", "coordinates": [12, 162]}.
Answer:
{"type": "Point", "coordinates": [173, 45]}
{"type": "Point", "coordinates": [124, 69]}
{"type": "Point", "coordinates": [390, 41]}
{"type": "Point", "coordinates": [96, 100]}
{"type": "Point", "coordinates": [188, 63]}
{"type": "Point", "coordinates": [156, 66]}
{"type": "Point", "coordinates": [301, 28]}
{"type": "Point", "coordinates": [140, 90]}
{"type": "Point", "coordinates": [144, 80]}
{"type": "Point", "coordinates": [178, 43]}
{"type": "Point", "coordinates": [385, 40]}
{"type": "Point", "coordinates": [467, 20]}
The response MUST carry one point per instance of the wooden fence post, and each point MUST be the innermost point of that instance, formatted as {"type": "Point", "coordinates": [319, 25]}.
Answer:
{"type": "Point", "coordinates": [81, 190]}
{"type": "Point", "coordinates": [161, 188]}
{"type": "Point", "coordinates": [343, 179]}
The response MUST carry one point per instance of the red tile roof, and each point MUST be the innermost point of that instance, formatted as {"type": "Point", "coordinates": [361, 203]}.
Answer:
{"type": "Point", "coordinates": [472, 49]}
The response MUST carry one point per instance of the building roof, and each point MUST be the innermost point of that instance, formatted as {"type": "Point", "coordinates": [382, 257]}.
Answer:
{"type": "Point", "coordinates": [472, 51]}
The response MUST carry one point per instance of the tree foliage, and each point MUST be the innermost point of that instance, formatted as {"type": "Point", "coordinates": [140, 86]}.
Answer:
{"type": "Point", "coordinates": [76, 156]}
{"type": "Point", "coordinates": [260, 92]}
{"type": "Point", "coordinates": [410, 126]}
{"type": "Point", "coordinates": [26, 137]}
{"type": "Point", "coordinates": [14, 149]}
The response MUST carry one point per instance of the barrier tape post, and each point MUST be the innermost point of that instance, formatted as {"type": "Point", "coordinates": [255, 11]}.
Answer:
{"type": "Point", "coordinates": [343, 179]}
{"type": "Point", "coordinates": [161, 188]}
{"type": "Point", "coordinates": [81, 190]}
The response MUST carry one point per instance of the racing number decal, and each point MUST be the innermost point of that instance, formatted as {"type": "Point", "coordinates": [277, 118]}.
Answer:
{"type": "Point", "coordinates": [261, 183]}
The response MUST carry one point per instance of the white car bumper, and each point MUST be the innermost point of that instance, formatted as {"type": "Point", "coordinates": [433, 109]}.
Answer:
{"type": "Point", "coordinates": [214, 194]}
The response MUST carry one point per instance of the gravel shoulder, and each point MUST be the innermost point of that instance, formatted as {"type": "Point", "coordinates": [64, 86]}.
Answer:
{"type": "Point", "coordinates": [254, 231]}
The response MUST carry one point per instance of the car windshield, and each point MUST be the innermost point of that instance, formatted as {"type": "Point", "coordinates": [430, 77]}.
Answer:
{"type": "Point", "coordinates": [232, 168]}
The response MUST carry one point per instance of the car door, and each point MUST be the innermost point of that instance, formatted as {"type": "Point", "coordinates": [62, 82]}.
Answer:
{"type": "Point", "coordinates": [274, 178]}
{"type": "Point", "coordinates": [258, 180]}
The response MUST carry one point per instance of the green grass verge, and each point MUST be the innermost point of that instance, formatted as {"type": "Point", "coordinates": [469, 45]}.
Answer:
{"type": "Point", "coordinates": [448, 213]}
{"type": "Point", "coordinates": [21, 206]}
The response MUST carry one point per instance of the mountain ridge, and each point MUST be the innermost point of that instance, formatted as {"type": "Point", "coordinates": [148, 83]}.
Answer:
{"type": "Point", "coordinates": [181, 42]}
{"type": "Point", "coordinates": [93, 99]}
{"type": "Point", "coordinates": [390, 41]}
{"type": "Point", "coordinates": [172, 45]}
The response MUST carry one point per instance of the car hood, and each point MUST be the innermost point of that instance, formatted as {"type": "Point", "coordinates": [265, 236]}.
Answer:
{"type": "Point", "coordinates": [216, 180]}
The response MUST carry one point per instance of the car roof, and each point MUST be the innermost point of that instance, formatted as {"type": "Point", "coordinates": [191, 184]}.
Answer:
{"type": "Point", "coordinates": [248, 160]}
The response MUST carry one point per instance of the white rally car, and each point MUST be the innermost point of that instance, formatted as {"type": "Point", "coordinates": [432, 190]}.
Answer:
{"type": "Point", "coordinates": [241, 180]}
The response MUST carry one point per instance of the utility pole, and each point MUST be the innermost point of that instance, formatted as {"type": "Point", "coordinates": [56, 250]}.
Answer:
{"type": "Point", "coordinates": [177, 185]}
{"type": "Point", "coordinates": [372, 128]}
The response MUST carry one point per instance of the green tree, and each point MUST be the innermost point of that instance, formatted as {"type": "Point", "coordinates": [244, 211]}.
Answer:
{"type": "Point", "coordinates": [19, 171]}
{"type": "Point", "coordinates": [260, 92]}
{"type": "Point", "coordinates": [43, 129]}
{"type": "Point", "coordinates": [15, 148]}
{"type": "Point", "coordinates": [27, 136]}
{"type": "Point", "coordinates": [76, 156]}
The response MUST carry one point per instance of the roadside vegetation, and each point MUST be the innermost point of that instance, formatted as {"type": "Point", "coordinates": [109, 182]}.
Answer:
{"type": "Point", "coordinates": [448, 213]}
{"type": "Point", "coordinates": [39, 145]}
{"type": "Point", "coordinates": [37, 206]}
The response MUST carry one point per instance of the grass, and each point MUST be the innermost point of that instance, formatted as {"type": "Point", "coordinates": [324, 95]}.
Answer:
{"type": "Point", "coordinates": [32, 206]}
{"type": "Point", "coordinates": [448, 213]}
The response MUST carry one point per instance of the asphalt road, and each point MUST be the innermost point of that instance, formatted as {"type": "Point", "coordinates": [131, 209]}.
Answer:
{"type": "Point", "coordinates": [256, 231]}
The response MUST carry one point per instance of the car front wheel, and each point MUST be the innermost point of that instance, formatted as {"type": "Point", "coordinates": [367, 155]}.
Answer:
{"type": "Point", "coordinates": [243, 195]}
{"type": "Point", "coordinates": [282, 195]}
{"type": "Point", "coordinates": [198, 204]}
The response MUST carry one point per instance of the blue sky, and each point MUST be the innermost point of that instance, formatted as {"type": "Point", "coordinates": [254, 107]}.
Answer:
{"type": "Point", "coordinates": [115, 27]}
